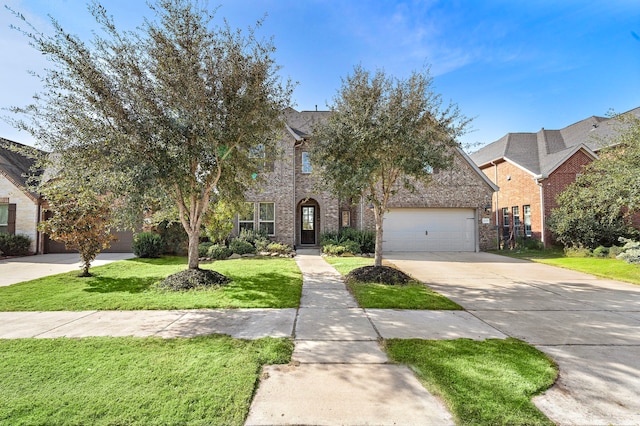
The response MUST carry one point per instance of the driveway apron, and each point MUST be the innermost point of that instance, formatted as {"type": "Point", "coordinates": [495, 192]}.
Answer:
{"type": "Point", "coordinates": [339, 374]}
{"type": "Point", "coordinates": [589, 326]}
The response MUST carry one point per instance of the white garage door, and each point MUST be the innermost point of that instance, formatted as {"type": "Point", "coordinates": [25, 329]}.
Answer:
{"type": "Point", "coordinates": [429, 230]}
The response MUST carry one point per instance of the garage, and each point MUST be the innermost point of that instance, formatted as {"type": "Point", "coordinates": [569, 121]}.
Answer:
{"type": "Point", "coordinates": [123, 244]}
{"type": "Point", "coordinates": [429, 229]}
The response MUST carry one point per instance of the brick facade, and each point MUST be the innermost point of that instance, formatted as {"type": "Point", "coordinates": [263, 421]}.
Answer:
{"type": "Point", "coordinates": [290, 188]}
{"type": "Point", "coordinates": [520, 188]}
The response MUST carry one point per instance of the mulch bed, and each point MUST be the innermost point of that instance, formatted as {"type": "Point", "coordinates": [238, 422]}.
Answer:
{"type": "Point", "coordinates": [379, 274]}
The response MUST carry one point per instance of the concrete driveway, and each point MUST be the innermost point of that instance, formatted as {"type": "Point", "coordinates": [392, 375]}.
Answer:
{"type": "Point", "coordinates": [18, 269]}
{"type": "Point", "coordinates": [589, 326]}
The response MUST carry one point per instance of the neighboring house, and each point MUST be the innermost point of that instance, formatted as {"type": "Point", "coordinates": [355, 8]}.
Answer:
{"type": "Point", "coordinates": [20, 209]}
{"type": "Point", "coordinates": [531, 169]}
{"type": "Point", "coordinates": [450, 214]}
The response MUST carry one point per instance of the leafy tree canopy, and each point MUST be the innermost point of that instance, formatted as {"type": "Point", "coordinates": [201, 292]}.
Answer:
{"type": "Point", "coordinates": [597, 208]}
{"type": "Point", "coordinates": [171, 111]}
{"type": "Point", "coordinates": [384, 132]}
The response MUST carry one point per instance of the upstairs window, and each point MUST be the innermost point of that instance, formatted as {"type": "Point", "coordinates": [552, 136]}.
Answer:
{"type": "Point", "coordinates": [306, 163]}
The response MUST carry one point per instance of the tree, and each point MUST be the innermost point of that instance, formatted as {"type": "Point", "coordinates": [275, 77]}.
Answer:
{"type": "Point", "coordinates": [384, 132]}
{"type": "Point", "coordinates": [598, 207]}
{"type": "Point", "coordinates": [172, 111]}
{"type": "Point", "coordinates": [81, 220]}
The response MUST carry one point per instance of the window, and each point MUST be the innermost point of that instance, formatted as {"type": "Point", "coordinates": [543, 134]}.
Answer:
{"type": "Point", "coordinates": [246, 217]}
{"type": "Point", "coordinates": [516, 220]}
{"type": "Point", "coordinates": [266, 219]}
{"type": "Point", "coordinates": [505, 217]}
{"type": "Point", "coordinates": [346, 218]}
{"type": "Point", "coordinates": [306, 163]}
{"type": "Point", "coordinates": [4, 218]}
{"type": "Point", "coordinates": [526, 211]}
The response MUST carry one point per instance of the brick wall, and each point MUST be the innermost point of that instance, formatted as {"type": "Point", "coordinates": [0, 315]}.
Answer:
{"type": "Point", "coordinates": [558, 181]}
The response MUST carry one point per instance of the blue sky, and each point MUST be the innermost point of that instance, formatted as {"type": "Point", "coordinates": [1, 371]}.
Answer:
{"type": "Point", "coordinates": [515, 66]}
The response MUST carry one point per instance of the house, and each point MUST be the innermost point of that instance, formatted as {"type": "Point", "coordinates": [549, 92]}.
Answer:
{"type": "Point", "coordinates": [450, 214]}
{"type": "Point", "coordinates": [20, 209]}
{"type": "Point", "coordinates": [531, 169]}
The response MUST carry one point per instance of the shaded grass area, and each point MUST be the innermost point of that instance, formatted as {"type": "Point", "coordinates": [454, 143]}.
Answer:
{"type": "Point", "coordinates": [414, 295]}
{"type": "Point", "coordinates": [129, 285]}
{"type": "Point", "coordinates": [488, 382]}
{"type": "Point", "coordinates": [614, 269]}
{"type": "Point", "coordinates": [105, 381]}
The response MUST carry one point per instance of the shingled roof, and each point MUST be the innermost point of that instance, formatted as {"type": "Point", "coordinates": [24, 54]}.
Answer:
{"type": "Point", "coordinates": [300, 123]}
{"type": "Point", "coordinates": [542, 152]}
{"type": "Point", "coordinates": [15, 165]}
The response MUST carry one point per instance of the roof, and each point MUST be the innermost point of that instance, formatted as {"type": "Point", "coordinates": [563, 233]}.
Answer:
{"type": "Point", "coordinates": [300, 123]}
{"type": "Point", "coordinates": [542, 152]}
{"type": "Point", "coordinates": [15, 164]}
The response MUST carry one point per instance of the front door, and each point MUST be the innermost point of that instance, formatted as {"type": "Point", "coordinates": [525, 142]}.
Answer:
{"type": "Point", "coordinates": [308, 232]}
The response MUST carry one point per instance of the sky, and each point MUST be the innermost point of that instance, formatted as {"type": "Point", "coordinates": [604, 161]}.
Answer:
{"type": "Point", "coordinates": [511, 65]}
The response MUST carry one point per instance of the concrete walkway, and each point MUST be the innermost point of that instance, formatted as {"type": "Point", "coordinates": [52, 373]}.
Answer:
{"type": "Point", "coordinates": [339, 374]}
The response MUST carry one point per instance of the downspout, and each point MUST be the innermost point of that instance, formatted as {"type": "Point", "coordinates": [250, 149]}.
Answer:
{"type": "Point", "coordinates": [295, 213]}
{"type": "Point", "coordinates": [542, 210]}
{"type": "Point", "coordinates": [495, 168]}
{"type": "Point", "coordinates": [39, 235]}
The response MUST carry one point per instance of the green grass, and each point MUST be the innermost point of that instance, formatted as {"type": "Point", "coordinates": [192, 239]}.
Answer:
{"type": "Point", "coordinates": [614, 269]}
{"type": "Point", "coordinates": [414, 295]}
{"type": "Point", "coordinates": [128, 285]}
{"type": "Point", "coordinates": [487, 382]}
{"type": "Point", "coordinates": [106, 381]}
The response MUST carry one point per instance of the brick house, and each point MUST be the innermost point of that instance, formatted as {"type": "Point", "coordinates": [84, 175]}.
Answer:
{"type": "Point", "coordinates": [450, 214]}
{"type": "Point", "coordinates": [531, 169]}
{"type": "Point", "coordinates": [20, 209]}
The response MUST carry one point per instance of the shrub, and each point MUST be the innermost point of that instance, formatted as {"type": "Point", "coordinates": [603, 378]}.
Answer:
{"type": "Point", "coordinates": [529, 243]}
{"type": "Point", "coordinates": [241, 246]}
{"type": "Point", "coordinates": [615, 251]}
{"type": "Point", "coordinates": [631, 252]}
{"type": "Point", "coordinates": [577, 252]}
{"type": "Point", "coordinates": [148, 244]}
{"type": "Point", "coordinates": [219, 252]}
{"type": "Point", "coordinates": [279, 248]}
{"type": "Point", "coordinates": [601, 251]}
{"type": "Point", "coordinates": [366, 239]}
{"type": "Point", "coordinates": [630, 256]}
{"type": "Point", "coordinates": [203, 249]}
{"type": "Point", "coordinates": [14, 245]}
{"type": "Point", "coordinates": [252, 236]}
{"type": "Point", "coordinates": [174, 237]}
{"type": "Point", "coordinates": [341, 249]}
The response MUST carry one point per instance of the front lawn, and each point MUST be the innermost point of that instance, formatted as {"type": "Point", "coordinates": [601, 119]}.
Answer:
{"type": "Point", "coordinates": [128, 285]}
{"type": "Point", "coordinates": [614, 269]}
{"type": "Point", "coordinates": [488, 382]}
{"type": "Point", "coordinates": [414, 295]}
{"type": "Point", "coordinates": [107, 381]}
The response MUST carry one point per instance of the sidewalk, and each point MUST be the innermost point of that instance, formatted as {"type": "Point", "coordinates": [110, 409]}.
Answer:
{"type": "Point", "coordinates": [339, 374]}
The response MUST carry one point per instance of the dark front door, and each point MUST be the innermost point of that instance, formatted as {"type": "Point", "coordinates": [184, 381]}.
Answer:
{"type": "Point", "coordinates": [308, 232]}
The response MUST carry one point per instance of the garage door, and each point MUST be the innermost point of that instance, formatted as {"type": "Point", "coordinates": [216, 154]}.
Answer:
{"type": "Point", "coordinates": [429, 230]}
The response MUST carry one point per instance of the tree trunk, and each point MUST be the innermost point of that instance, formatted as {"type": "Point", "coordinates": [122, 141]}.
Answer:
{"type": "Point", "coordinates": [378, 215]}
{"type": "Point", "coordinates": [194, 240]}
